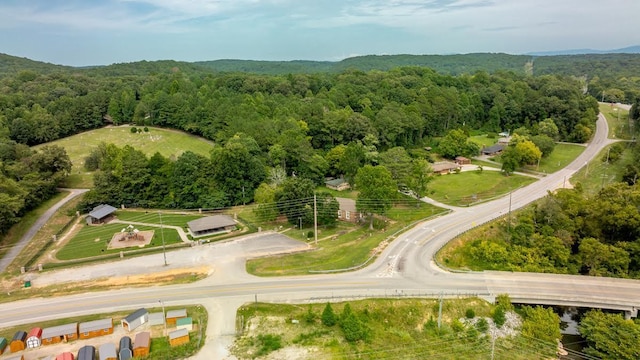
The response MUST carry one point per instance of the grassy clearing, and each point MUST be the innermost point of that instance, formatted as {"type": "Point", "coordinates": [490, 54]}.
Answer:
{"type": "Point", "coordinates": [160, 348]}
{"type": "Point", "coordinates": [395, 328]}
{"type": "Point", "coordinates": [618, 120]}
{"type": "Point", "coordinates": [18, 230]}
{"type": "Point", "coordinates": [598, 173]}
{"type": "Point", "coordinates": [93, 241]}
{"type": "Point", "coordinates": [354, 246]}
{"type": "Point", "coordinates": [349, 194]}
{"type": "Point", "coordinates": [469, 187]}
{"type": "Point", "coordinates": [152, 217]}
{"type": "Point", "coordinates": [562, 155]}
{"type": "Point", "coordinates": [169, 143]}
{"type": "Point", "coordinates": [483, 140]}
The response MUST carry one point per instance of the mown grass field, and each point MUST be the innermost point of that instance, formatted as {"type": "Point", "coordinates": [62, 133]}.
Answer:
{"type": "Point", "coordinates": [154, 217]}
{"type": "Point", "coordinates": [169, 143]}
{"type": "Point", "coordinates": [483, 140]}
{"type": "Point", "coordinates": [562, 155]}
{"type": "Point", "coordinates": [93, 240]}
{"type": "Point", "coordinates": [618, 120]}
{"type": "Point", "coordinates": [599, 173]}
{"type": "Point", "coordinates": [470, 187]}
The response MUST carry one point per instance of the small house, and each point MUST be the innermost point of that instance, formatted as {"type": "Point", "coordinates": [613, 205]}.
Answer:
{"type": "Point", "coordinates": [174, 315]}
{"type": "Point", "coordinates": [91, 329]}
{"type": "Point", "coordinates": [135, 319]}
{"type": "Point", "coordinates": [125, 352]}
{"type": "Point", "coordinates": [56, 334]}
{"type": "Point", "coordinates": [211, 225]}
{"type": "Point", "coordinates": [179, 337]}
{"type": "Point", "coordinates": [3, 345]}
{"type": "Point", "coordinates": [18, 341]}
{"type": "Point", "coordinates": [347, 210]}
{"type": "Point", "coordinates": [87, 352]}
{"type": "Point", "coordinates": [34, 338]}
{"type": "Point", "coordinates": [184, 323]}
{"type": "Point", "coordinates": [461, 160]}
{"type": "Point", "coordinates": [100, 214]}
{"type": "Point", "coordinates": [493, 150]}
{"type": "Point", "coordinates": [142, 344]}
{"type": "Point", "coordinates": [107, 352]}
{"type": "Point", "coordinates": [337, 184]}
{"type": "Point", "coordinates": [156, 318]}
{"type": "Point", "coordinates": [444, 167]}
{"type": "Point", "coordinates": [65, 356]}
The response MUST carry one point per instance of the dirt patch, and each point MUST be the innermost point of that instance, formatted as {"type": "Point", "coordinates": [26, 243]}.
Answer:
{"type": "Point", "coordinates": [124, 239]}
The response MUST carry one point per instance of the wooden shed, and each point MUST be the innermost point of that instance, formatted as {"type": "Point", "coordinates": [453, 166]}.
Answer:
{"type": "Point", "coordinates": [18, 341]}
{"type": "Point", "coordinates": [87, 352]}
{"type": "Point", "coordinates": [461, 160]}
{"type": "Point", "coordinates": [135, 319]}
{"type": "Point", "coordinates": [34, 338]}
{"type": "Point", "coordinates": [142, 344]}
{"type": "Point", "coordinates": [65, 356]}
{"type": "Point", "coordinates": [91, 329]}
{"type": "Point", "coordinates": [3, 344]}
{"type": "Point", "coordinates": [125, 352]}
{"type": "Point", "coordinates": [185, 323]}
{"type": "Point", "coordinates": [56, 334]}
{"type": "Point", "coordinates": [179, 337]}
{"type": "Point", "coordinates": [108, 352]}
{"type": "Point", "coordinates": [174, 315]}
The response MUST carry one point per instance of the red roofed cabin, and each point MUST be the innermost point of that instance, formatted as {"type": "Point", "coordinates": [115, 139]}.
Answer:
{"type": "Point", "coordinates": [34, 338]}
{"type": "Point", "coordinates": [65, 356]}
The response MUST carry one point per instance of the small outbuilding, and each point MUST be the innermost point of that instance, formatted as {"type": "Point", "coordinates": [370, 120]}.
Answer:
{"type": "Point", "coordinates": [87, 352]}
{"type": "Point", "coordinates": [91, 329]}
{"type": "Point", "coordinates": [444, 167]}
{"type": "Point", "coordinates": [174, 315]}
{"type": "Point", "coordinates": [135, 319]}
{"type": "Point", "coordinates": [339, 184]}
{"type": "Point", "coordinates": [347, 210]}
{"type": "Point", "coordinates": [34, 338]}
{"type": "Point", "coordinates": [18, 341]}
{"type": "Point", "coordinates": [461, 160]}
{"type": "Point", "coordinates": [3, 344]}
{"type": "Point", "coordinates": [142, 344]}
{"type": "Point", "coordinates": [179, 337]}
{"type": "Point", "coordinates": [107, 352]}
{"type": "Point", "coordinates": [493, 150]}
{"type": "Point", "coordinates": [60, 333]}
{"type": "Point", "coordinates": [184, 323]}
{"type": "Point", "coordinates": [156, 318]}
{"type": "Point", "coordinates": [65, 356]}
{"type": "Point", "coordinates": [125, 352]}
{"type": "Point", "coordinates": [100, 213]}
{"type": "Point", "coordinates": [211, 225]}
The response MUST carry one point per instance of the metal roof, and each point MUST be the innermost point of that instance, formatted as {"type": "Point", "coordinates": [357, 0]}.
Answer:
{"type": "Point", "coordinates": [142, 340]}
{"type": "Point", "coordinates": [346, 204]}
{"type": "Point", "coordinates": [107, 350]}
{"type": "Point", "coordinates": [335, 182]}
{"type": "Point", "coordinates": [59, 330]}
{"type": "Point", "coordinates": [211, 223]}
{"type": "Point", "coordinates": [125, 342]}
{"type": "Point", "coordinates": [184, 321]}
{"type": "Point", "coordinates": [125, 354]}
{"type": "Point", "coordinates": [442, 166]}
{"type": "Point", "coordinates": [101, 211]}
{"type": "Point", "coordinates": [177, 313]}
{"type": "Point", "coordinates": [136, 314]}
{"type": "Point", "coordinates": [493, 149]}
{"type": "Point", "coordinates": [178, 334]}
{"type": "Point", "coordinates": [20, 335]}
{"type": "Point", "coordinates": [94, 325]}
{"type": "Point", "coordinates": [87, 352]}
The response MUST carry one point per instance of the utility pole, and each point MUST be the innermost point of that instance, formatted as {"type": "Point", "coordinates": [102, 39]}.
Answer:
{"type": "Point", "coordinates": [315, 219]}
{"type": "Point", "coordinates": [164, 250]}
{"type": "Point", "coordinates": [164, 317]}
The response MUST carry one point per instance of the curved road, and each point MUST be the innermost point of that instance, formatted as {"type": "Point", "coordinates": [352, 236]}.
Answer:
{"type": "Point", "coordinates": [404, 268]}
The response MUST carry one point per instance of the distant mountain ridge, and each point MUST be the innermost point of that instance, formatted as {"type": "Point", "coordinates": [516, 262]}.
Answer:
{"type": "Point", "coordinates": [626, 50]}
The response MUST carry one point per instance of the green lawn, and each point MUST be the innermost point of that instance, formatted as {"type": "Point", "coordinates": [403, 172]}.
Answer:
{"type": "Point", "coordinates": [618, 120]}
{"type": "Point", "coordinates": [93, 241]}
{"type": "Point", "coordinates": [153, 217]}
{"type": "Point", "coordinates": [169, 143]}
{"type": "Point", "coordinates": [598, 173]}
{"type": "Point", "coordinates": [470, 187]}
{"type": "Point", "coordinates": [562, 155]}
{"type": "Point", "coordinates": [483, 140]}
{"type": "Point", "coordinates": [349, 194]}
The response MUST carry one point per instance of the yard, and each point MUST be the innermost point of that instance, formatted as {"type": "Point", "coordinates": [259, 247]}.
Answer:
{"type": "Point", "coordinates": [618, 120]}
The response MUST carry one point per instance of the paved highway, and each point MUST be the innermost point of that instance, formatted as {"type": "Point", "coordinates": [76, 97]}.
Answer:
{"type": "Point", "coordinates": [405, 268]}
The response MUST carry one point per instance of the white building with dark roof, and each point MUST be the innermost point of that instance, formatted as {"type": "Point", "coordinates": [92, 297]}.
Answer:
{"type": "Point", "coordinates": [211, 225]}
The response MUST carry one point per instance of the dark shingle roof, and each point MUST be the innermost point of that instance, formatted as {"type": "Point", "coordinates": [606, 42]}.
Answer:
{"type": "Point", "coordinates": [136, 314]}
{"type": "Point", "coordinates": [493, 149]}
{"type": "Point", "coordinates": [101, 211]}
{"type": "Point", "coordinates": [210, 223]}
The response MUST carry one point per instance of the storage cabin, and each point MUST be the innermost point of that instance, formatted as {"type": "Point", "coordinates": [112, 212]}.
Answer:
{"type": "Point", "coordinates": [135, 319]}
{"type": "Point", "coordinates": [142, 344]}
{"type": "Point", "coordinates": [174, 315]}
{"type": "Point", "coordinates": [34, 338]}
{"type": "Point", "coordinates": [107, 352]}
{"type": "Point", "coordinates": [179, 337]}
{"type": "Point", "coordinates": [185, 323]}
{"type": "Point", "coordinates": [156, 318]}
{"type": "Point", "coordinates": [91, 329]}
{"type": "Point", "coordinates": [87, 352]}
{"type": "Point", "coordinates": [65, 356]}
{"type": "Point", "coordinates": [60, 333]}
{"type": "Point", "coordinates": [3, 344]}
{"type": "Point", "coordinates": [125, 352]}
{"type": "Point", "coordinates": [17, 343]}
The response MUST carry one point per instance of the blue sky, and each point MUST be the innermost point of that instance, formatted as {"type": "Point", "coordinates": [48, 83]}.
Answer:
{"type": "Point", "coordinates": [97, 32]}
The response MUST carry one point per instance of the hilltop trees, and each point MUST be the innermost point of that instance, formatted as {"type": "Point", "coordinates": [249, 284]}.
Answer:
{"type": "Point", "coordinates": [376, 190]}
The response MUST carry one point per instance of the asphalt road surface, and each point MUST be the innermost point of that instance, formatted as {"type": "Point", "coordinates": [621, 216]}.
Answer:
{"type": "Point", "coordinates": [405, 268]}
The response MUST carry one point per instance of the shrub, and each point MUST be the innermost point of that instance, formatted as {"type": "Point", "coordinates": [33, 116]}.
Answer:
{"type": "Point", "coordinates": [269, 343]}
{"type": "Point", "coordinates": [482, 325]}
{"type": "Point", "coordinates": [328, 316]}
{"type": "Point", "coordinates": [310, 317]}
{"type": "Point", "coordinates": [499, 316]}
{"type": "Point", "coordinates": [146, 129]}
{"type": "Point", "coordinates": [470, 314]}
{"type": "Point", "coordinates": [134, 130]}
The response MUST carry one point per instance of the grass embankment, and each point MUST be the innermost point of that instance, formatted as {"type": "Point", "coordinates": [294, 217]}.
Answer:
{"type": "Point", "coordinates": [561, 156]}
{"type": "Point", "coordinates": [169, 143]}
{"type": "Point", "coordinates": [469, 187]}
{"type": "Point", "coordinates": [160, 348]}
{"type": "Point", "coordinates": [598, 173]}
{"type": "Point", "coordinates": [618, 120]}
{"type": "Point", "coordinates": [353, 247]}
{"type": "Point", "coordinates": [397, 329]}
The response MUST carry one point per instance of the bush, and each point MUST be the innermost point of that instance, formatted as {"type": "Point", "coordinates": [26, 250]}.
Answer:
{"type": "Point", "coordinates": [146, 129]}
{"type": "Point", "coordinates": [499, 317]}
{"type": "Point", "coordinates": [482, 325]}
{"type": "Point", "coordinates": [328, 316]}
{"type": "Point", "coordinates": [310, 234]}
{"type": "Point", "coordinates": [310, 317]}
{"type": "Point", "coordinates": [470, 314]}
{"type": "Point", "coordinates": [134, 130]}
{"type": "Point", "coordinates": [269, 343]}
